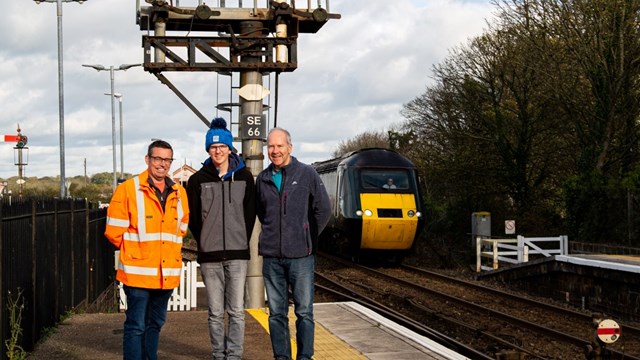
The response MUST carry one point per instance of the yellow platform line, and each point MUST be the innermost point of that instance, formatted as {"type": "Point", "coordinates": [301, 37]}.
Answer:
{"type": "Point", "coordinates": [326, 346]}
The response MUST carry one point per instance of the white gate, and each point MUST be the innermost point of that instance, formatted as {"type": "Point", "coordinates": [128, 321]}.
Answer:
{"type": "Point", "coordinates": [184, 297]}
{"type": "Point", "coordinates": [516, 251]}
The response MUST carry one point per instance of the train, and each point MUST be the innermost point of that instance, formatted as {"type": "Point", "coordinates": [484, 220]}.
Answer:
{"type": "Point", "coordinates": [376, 206]}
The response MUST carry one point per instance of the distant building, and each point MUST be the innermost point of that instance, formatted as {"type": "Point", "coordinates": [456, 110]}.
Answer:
{"type": "Point", "coordinates": [182, 174]}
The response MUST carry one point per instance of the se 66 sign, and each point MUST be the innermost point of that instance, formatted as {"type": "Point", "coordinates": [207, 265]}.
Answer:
{"type": "Point", "coordinates": [253, 127]}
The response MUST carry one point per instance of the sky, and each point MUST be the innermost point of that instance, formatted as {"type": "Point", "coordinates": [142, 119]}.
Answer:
{"type": "Point", "coordinates": [353, 75]}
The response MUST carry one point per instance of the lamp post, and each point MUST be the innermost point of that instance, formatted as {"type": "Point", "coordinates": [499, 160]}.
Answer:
{"type": "Point", "coordinates": [119, 97]}
{"type": "Point", "coordinates": [113, 109]}
{"type": "Point", "coordinates": [63, 189]}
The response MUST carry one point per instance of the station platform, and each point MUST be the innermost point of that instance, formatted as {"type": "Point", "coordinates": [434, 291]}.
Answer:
{"type": "Point", "coordinates": [627, 263]}
{"type": "Point", "coordinates": [602, 283]}
{"type": "Point", "coordinates": [343, 331]}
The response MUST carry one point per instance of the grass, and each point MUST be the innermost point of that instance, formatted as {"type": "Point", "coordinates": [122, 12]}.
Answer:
{"type": "Point", "coordinates": [15, 305]}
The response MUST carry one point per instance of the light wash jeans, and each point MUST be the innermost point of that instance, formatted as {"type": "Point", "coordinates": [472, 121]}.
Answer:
{"type": "Point", "coordinates": [278, 275]}
{"type": "Point", "coordinates": [224, 282]}
{"type": "Point", "coordinates": [146, 314]}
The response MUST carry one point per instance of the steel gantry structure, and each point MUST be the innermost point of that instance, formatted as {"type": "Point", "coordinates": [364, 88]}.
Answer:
{"type": "Point", "coordinates": [256, 39]}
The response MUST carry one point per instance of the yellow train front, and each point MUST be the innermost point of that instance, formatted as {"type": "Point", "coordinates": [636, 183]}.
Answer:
{"type": "Point", "coordinates": [375, 202]}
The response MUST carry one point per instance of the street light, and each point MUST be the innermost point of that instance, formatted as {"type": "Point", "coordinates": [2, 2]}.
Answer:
{"type": "Point", "coordinates": [63, 189]}
{"type": "Point", "coordinates": [119, 96]}
{"type": "Point", "coordinates": [113, 109]}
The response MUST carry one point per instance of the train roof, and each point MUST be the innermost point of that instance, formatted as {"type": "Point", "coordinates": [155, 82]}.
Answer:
{"type": "Point", "coordinates": [367, 157]}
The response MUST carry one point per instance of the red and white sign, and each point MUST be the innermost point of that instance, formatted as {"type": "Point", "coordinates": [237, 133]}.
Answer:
{"type": "Point", "coordinates": [509, 227]}
{"type": "Point", "coordinates": [608, 331]}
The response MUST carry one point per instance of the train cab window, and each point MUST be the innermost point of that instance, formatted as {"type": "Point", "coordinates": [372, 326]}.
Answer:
{"type": "Point", "coordinates": [384, 179]}
{"type": "Point", "coordinates": [389, 184]}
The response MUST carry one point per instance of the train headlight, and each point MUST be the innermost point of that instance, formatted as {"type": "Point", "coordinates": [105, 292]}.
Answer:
{"type": "Point", "coordinates": [359, 212]}
{"type": "Point", "coordinates": [411, 213]}
{"type": "Point", "coordinates": [419, 214]}
{"type": "Point", "coordinates": [368, 212]}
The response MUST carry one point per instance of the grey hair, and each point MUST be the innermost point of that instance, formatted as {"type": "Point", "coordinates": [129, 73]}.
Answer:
{"type": "Point", "coordinates": [284, 131]}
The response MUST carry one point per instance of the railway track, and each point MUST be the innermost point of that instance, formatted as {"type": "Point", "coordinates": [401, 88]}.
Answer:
{"type": "Point", "coordinates": [492, 321]}
{"type": "Point", "coordinates": [477, 321]}
{"type": "Point", "coordinates": [344, 293]}
{"type": "Point", "coordinates": [583, 317]}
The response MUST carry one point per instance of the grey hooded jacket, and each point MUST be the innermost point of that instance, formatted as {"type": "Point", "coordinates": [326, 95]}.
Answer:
{"type": "Point", "coordinates": [222, 211]}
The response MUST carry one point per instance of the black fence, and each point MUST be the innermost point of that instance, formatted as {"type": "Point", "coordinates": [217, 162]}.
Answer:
{"type": "Point", "coordinates": [55, 255]}
{"type": "Point", "coordinates": [611, 249]}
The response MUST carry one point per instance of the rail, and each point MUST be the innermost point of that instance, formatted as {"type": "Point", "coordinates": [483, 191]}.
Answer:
{"type": "Point", "coordinates": [516, 251]}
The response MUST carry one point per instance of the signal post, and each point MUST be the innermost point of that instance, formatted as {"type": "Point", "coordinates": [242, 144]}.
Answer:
{"type": "Point", "coordinates": [19, 158]}
{"type": "Point", "coordinates": [256, 40]}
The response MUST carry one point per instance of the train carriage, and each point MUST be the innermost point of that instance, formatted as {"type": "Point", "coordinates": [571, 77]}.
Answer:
{"type": "Point", "coordinates": [375, 202]}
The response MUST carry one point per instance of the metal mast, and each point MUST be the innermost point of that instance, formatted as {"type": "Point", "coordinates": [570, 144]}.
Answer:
{"type": "Point", "coordinates": [257, 40]}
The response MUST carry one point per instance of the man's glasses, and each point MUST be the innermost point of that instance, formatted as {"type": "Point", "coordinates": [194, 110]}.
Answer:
{"type": "Point", "coordinates": [219, 148]}
{"type": "Point", "coordinates": [159, 160]}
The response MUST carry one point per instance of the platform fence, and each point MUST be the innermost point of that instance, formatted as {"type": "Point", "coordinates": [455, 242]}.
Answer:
{"type": "Point", "coordinates": [54, 259]}
{"type": "Point", "coordinates": [184, 297]}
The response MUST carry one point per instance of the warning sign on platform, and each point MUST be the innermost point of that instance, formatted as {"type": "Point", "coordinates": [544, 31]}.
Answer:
{"type": "Point", "coordinates": [608, 331]}
{"type": "Point", "coordinates": [509, 227]}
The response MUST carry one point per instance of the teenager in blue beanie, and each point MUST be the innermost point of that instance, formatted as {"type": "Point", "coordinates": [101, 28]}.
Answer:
{"type": "Point", "coordinates": [222, 201]}
{"type": "Point", "coordinates": [218, 134]}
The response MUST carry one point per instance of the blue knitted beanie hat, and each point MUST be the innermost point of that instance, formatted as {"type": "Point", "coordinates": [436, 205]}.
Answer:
{"type": "Point", "coordinates": [218, 134]}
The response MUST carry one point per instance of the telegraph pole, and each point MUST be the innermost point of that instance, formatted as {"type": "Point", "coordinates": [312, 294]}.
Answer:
{"type": "Point", "coordinates": [258, 41]}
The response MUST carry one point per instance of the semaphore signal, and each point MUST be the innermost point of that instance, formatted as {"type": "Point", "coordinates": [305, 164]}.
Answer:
{"type": "Point", "coordinates": [20, 141]}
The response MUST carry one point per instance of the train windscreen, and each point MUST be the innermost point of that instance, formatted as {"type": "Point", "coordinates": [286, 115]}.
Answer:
{"type": "Point", "coordinates": [388, 179]}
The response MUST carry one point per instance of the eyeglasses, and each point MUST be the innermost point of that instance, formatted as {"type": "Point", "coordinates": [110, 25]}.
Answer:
{"type": "Point", "coordinates": [159, 160]}
{"type": "Point", "coordinates": [218, 148]}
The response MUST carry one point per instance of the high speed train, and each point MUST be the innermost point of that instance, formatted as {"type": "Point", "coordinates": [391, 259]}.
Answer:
{"type": "Point", "coordinates": [375, 202]}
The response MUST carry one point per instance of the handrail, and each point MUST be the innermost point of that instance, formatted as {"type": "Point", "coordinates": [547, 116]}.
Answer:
{"type": "Point", "coordinates": [516, 251]}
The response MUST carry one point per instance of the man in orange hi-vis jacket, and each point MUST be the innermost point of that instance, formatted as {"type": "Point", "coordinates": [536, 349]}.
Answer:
{"type": "Point", "coordinates": [146, 220]}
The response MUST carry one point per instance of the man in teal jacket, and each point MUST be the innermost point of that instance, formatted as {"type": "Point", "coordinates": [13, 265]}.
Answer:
{"type": "Point", "coordinates": [293, 207]}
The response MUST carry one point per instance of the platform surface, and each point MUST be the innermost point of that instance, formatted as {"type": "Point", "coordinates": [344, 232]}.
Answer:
{"type": "Point", "coordinates": [343, 331]}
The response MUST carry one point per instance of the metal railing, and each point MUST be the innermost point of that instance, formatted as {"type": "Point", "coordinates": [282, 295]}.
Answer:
{"type": "Point", "coordinates": [325, 4]}
{"type": "Point", "coordinates": [54, 254]}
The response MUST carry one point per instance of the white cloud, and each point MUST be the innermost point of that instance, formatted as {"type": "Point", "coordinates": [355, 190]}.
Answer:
{"type": "Point", "coordinates": [353, 76]}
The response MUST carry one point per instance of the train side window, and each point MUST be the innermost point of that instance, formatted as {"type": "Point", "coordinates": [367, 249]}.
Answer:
{"type": "Point", "coordinates": [340, 192]}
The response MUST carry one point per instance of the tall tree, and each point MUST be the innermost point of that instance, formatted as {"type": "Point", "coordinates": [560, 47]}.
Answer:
{"type": "Point", "coordinates": [488, 127]}
{"type": "Point", "coordinates": [366, 139]}
{"type": "Point", "coordinates": [592, 47]}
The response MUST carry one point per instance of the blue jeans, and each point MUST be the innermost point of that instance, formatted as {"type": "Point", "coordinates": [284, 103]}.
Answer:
{"type": "Point", "coordinates": [224, 282]}
{"type": "Point", "coordinates": [278, 275]}
{"type": "Point", "coordinates": [146, 313]}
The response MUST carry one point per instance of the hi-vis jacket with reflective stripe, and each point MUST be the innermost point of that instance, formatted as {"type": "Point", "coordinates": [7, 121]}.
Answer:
{"type": "Point", "coordinates": [149, 238]}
